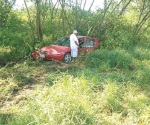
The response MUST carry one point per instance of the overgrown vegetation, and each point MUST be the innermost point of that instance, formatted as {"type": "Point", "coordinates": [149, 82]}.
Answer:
{"type": "Point", "coordinates": [58, 93]}
{"type": "Point", "coordinates": [106, 87]}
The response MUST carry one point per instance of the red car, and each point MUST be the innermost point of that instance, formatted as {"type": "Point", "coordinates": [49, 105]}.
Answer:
{"type": "Point", "coordinates": [60, 50]}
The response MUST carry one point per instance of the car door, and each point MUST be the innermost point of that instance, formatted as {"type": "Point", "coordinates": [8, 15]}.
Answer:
{"type": "Point", "coordinates": [87, 46]}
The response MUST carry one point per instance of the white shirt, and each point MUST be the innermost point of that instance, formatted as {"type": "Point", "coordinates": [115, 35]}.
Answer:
{"type": "Point", "coordinates": [73, 38]}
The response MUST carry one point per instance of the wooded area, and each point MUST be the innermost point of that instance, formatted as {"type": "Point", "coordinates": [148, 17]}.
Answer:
{"type": "Point", "coordinates": [109, 86]}
{"type": "Point", "coordinates": [46, 20]}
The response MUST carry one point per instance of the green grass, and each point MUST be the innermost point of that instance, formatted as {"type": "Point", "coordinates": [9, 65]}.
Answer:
{"type": "Point", "coordinates": [109, 59]}
{"type": "Point", "coordinates": [106, 87]}
{"type": "Point", "coordinates": [72, 100]}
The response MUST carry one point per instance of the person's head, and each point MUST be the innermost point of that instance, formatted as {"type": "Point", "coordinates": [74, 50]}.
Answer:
{"type": "Point", "coordinates": [75, 32]}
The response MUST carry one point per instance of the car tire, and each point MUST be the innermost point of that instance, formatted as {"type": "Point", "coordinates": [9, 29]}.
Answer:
{"type": "Point", "coordinates": [67, 58]}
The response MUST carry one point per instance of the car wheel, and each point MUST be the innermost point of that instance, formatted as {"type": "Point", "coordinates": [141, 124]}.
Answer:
{"type": "Point", "coordinates": [67, 58]}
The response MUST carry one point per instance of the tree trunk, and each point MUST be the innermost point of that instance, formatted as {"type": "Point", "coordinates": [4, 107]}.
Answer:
{"type": "Point", "coordinates": [99, 24]}
{"type": "Point", "coordinates": [38, 21]}
{"type": "Point", "coordinates": [105, 5]}
{"type": "Point", "coordinates": [124, 7]}
{"type": "Point", "coordinates": [30, 22]}
{"type": "Point", "coordinates": [116, 6]}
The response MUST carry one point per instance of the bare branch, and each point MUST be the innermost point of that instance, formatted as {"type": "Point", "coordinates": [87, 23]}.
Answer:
{"type": "Point", "coordinates": [103, 18]}
{"type": "Point", "coordinates": [125, 6]}
{"type": "Point", "coordinates": [30, 22]}
{"type": "Point", "coordinates": [91, 5]}
{"type": "Point", "coordinates": [116, 6]}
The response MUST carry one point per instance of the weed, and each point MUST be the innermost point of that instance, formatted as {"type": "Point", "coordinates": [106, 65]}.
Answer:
{"type": "Point", "coordinates": [103, 59]}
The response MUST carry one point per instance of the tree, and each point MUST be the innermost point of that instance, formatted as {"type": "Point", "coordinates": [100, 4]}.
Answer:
{"type": "Point", "coordinates": [5, 8]}
{"type": "Point", "coordinates": [30, 22]}
{"type": "Point", "coordinates": [38, 20]}
{"type": "Point", "coordinates": [143, 7]}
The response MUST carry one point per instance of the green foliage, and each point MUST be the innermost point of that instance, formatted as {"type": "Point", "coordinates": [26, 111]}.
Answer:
{"type": "Point", "coordinates": [109, 59]}
{"type": "Point", "coordinates": [16, 38]}
{"type": "Point", "coordinates": [143, 76]}
{"type": "Point", "coordinates": [114, 31]}
{"type": "Point", "coordinates": [64, 103]}
{"type": "Point", "coordinates": [106, 87]}
{"type": "Point", "coordinates": [141, 51]}
{"type": "Point", "coordinates": [119, 33]}
{"type": "Point", "coordinates": [50, 79]}
{"type": "Point", "coordinates": [66, 94]}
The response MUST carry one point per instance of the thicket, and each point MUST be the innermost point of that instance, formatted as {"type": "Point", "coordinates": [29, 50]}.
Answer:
{"type": "Point", "coordinates": [16, 40]}
{"type": "Point", "coordinates": [108, 86]}
{"type": "Point", "coordinates": [26, 29]}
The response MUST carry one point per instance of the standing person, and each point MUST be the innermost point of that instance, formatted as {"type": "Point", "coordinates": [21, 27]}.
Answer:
{"type": "Point", "coordinates": [74, 43]}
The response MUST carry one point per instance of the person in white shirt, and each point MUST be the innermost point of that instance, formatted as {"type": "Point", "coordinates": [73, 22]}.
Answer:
{"type": "Point", "coordinates": [74, 44]}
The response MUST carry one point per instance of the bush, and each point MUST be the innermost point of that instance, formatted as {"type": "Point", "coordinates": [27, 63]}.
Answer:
{"type": "Point", "coordinates": [17, 38]}
{"type": "Point", "coordinates": [103, 59]}
{"type": "Point", "coordinates": [119, 59]}
{"type": "Point", "coordinates": [118, 33]}
{"type": "Point", "coordinates": [143, 76]}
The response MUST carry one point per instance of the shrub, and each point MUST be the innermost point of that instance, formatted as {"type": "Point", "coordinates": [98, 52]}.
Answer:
{"type": "Point", "coordinates": [118, 33]}
{"type": "Point", "coordinates": [17, 37]}
{"type": "Point", "coordinates": [119, 59]}
{"type": "Point", "coordinates": [144, 76]}
{"type": "Point", "coordinates": [103, 59]}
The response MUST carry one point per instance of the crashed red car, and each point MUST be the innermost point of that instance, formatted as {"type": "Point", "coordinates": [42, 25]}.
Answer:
{"type": "Point", "coordinates": [60, 49]}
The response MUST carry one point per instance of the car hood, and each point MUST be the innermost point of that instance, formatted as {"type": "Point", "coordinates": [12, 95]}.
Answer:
{"type": "Point", "coordinates": [58, 48]}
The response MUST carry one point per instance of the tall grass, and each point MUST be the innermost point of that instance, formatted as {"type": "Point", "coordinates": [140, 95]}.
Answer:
{"type": "Point", "coordinates": [109, 59]}
{"type": "Point", "coordinates": [109, 86]}
{"type": "Point", "coordinates": [72, 101]}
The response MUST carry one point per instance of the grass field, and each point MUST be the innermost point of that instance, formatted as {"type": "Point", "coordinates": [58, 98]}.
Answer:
{"type": "Point", "coordinates": [105, 87]}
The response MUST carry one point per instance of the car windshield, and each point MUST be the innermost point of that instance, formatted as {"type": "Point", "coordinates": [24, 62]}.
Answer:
{"type": "Point", "coordinates": [63, 41]}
